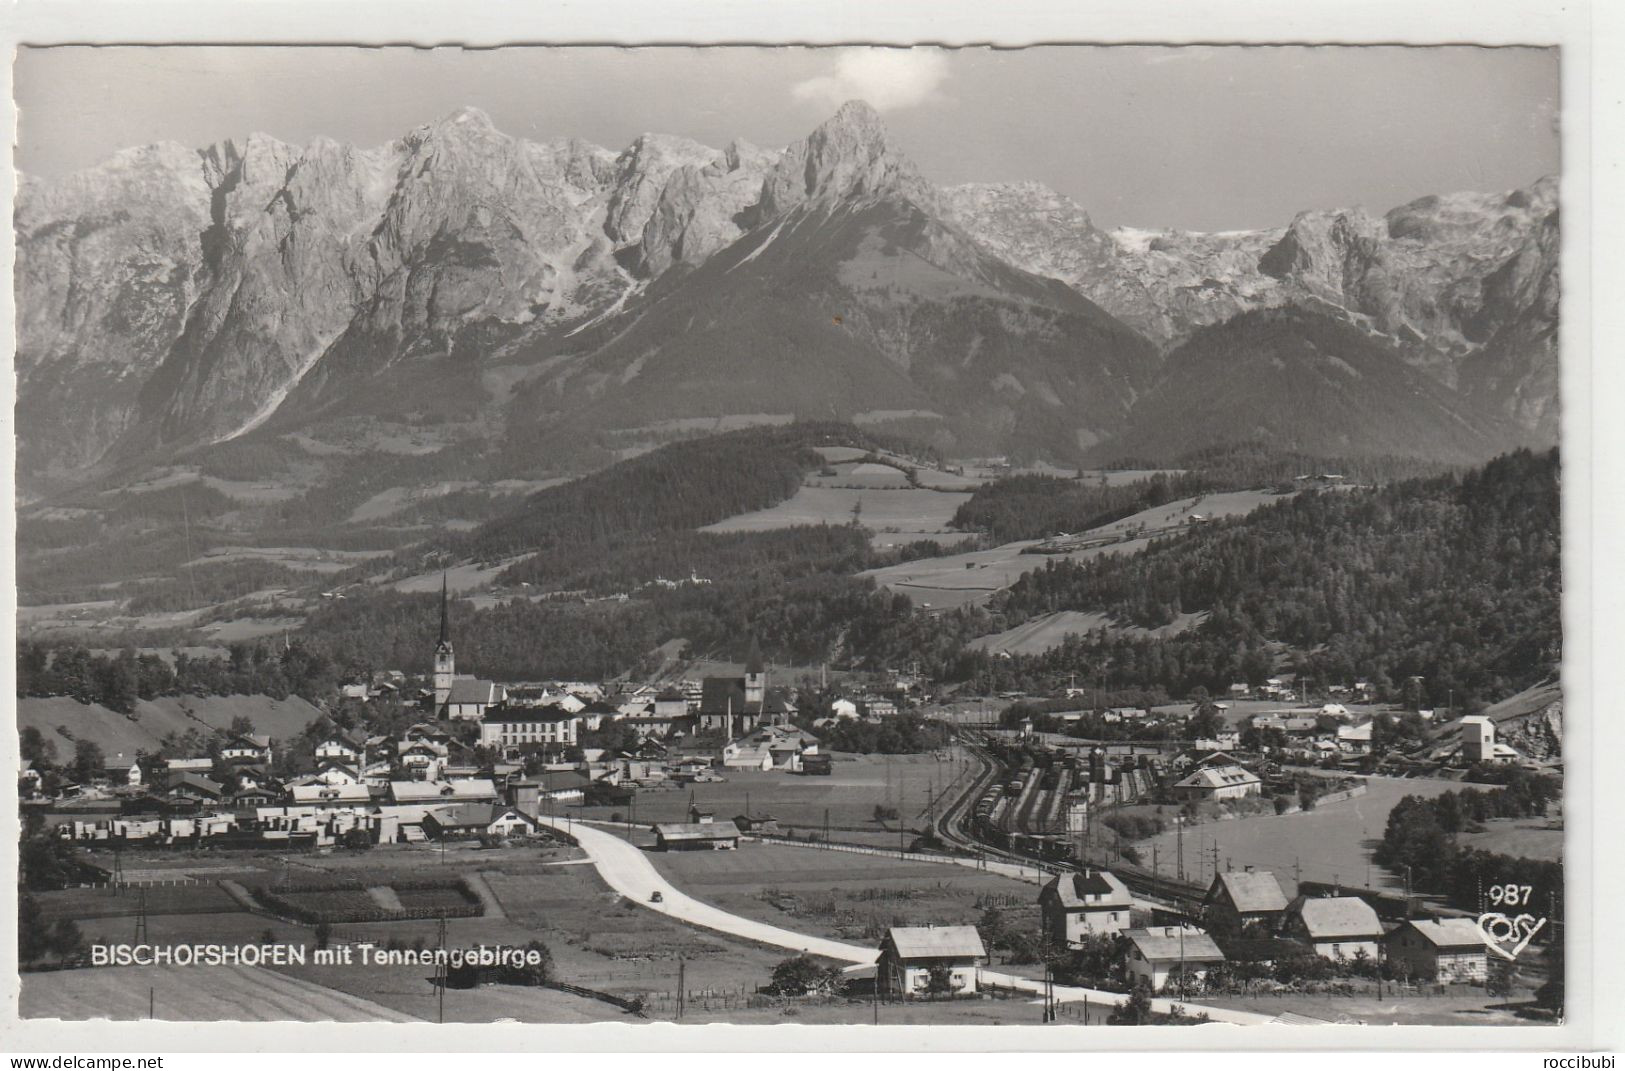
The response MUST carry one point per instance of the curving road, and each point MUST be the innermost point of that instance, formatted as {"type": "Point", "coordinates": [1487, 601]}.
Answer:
{"type": "Point", "coordinates": [624, 867]}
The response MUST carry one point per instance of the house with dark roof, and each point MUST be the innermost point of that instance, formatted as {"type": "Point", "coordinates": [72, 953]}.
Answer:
{"type": "Point", "coordinates": [1160, 954]}
{"type": "Point", "coordinates": [910, 955]}
{"type": "Point", "coordinates": [1337, 927]}
{"type": "Point", "coordinates": [1088, 903]}
{"type": "Point", "coordinates": [1240, 898]}
{"type": "Point", "coordinates": [476, 819]}
{"type": "Point", "coordinates": [247, 748]}
{"type": "Point", "coordinates": [194, 787]}
{"type": "Point", "coordinates": [1438, 951]}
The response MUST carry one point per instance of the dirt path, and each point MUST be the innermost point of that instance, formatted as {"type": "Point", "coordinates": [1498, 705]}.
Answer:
{"type": "Point", "coordinates": [488, 899]}
{"type": "Point", "coordinates": [385, 897]}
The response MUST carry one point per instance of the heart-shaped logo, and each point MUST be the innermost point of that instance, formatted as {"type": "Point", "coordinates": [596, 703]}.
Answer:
{"type": "Point", "coordinates": [1500, 931]}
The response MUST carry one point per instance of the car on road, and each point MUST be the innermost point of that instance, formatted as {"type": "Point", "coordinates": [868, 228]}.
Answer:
{"type": "Point", "coordinates": [656, 898]}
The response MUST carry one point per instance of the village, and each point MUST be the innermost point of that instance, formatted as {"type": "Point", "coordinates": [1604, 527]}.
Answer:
{"type": "Point", "coordinates": [1061, 825]}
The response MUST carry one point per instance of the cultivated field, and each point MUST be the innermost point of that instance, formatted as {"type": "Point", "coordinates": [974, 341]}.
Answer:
{"type": "Point", "coordinates": [1530, 838]}
{"type": "Point", "coordinates": [1457, 1006]}
{"type": "Point", "coordinates": [847, 897]}
{"type": "Point", "coordinates": [898, 514]}
{"type": "Point", "coordinates": [1051, 630]}
{"type": "Point", "coordinates": [154, 718]}
{"type": "Point", "coordinates": [309, 559]}
{"type": "Point", "coordinates": [958, 579]}
{"type": "Point", "coordinates": [191, 994]}
{"type": "Point", "coordinates": [1333, 842]}
{"type": "Point", "coordinates": [850, 794]}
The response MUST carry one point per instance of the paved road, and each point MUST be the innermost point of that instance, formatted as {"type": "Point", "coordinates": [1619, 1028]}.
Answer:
{"type": "Point", "coordinates": [626, 869]}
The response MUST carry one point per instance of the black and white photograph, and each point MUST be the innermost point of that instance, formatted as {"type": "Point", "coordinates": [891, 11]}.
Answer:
{"type": "Point", "coordinates": [1062, 537]}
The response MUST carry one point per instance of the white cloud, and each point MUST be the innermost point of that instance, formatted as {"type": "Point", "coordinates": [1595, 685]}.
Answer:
{"type": "Point", "coordinates": [888, 78]}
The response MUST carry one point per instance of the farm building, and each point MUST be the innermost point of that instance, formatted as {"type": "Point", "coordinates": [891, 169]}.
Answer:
{"type": "Point", "coordinates": [341, 749]}
{"type": "Point", "coordinates": [251, 748]}
{"type": "Point", "coordinates": [435, 792]}
{"type": "Point", "coordinates": [1162, 952]}
{"type": "Point", "coordinates": [1218, 783]}
{"type": "Point", "coordinates": [1079, 905]}
{"type": "Point", "coordinates": [1244, 897]}
{"type": "Point", "coordinates": [910, 954]}
{"type": "Point", "coordinates": [695, 836]}
{"type": "Point", "coordinates": [736, 756]}
{"type": "Point", "coordinates": [328, 796]}
{"type": "Point", "coordinates": [756, 823]}
{"type": "Point", "coordinates": [1338, 927]}
{"type": "Point", "coordinates": [1354, 739]}
{"type": "Point", "coordinates": [194, 787]}
{"type": "Point", "coordinates": [474, 819]}
{"type": "Point", "coordinates": [1438, 950]}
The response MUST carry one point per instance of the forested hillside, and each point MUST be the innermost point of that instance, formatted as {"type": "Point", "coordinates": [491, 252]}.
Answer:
{"type": "Point", "coordinates": [1299, 380]}
{"type": "Point", "coordinates": [577, 531]}
{"type": "Point", "coordinates": [1456, 579]}
{"type": "Point", "coordinates": [1039, 506]}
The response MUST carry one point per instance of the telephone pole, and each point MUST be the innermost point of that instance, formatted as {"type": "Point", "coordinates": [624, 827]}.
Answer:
{"type": "Point", "coordinates": [141, 920]}
{"type": "Point", "coordinates": [1179, 837]}
{"type": "Point", "coordinates": [443, 971]}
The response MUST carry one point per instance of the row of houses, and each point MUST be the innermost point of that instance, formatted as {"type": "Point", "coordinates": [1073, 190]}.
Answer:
{"type": "Point", "coordinates": [1092, 903]}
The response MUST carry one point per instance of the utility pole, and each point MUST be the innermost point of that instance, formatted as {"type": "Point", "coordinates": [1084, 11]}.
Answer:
{"type": "Point", "coordinates": [1179, 838]}
{"type": "Point", "coordinates": [682, 983]}
{"type": "Point", "coordinates": [141, 919]}
{"type": "Point", "coordinates": [443, 971]}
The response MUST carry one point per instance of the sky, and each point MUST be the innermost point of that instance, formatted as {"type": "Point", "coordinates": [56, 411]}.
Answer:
{"type": "Point", "coordinates": [1202, 138]}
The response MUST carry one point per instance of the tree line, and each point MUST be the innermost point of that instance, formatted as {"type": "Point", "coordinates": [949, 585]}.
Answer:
{"type": "Point", "coordinates": [1420, 840]}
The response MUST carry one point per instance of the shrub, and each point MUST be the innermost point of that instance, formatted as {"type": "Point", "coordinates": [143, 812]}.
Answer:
{"type": "Point", "coordinates": [802, 974]}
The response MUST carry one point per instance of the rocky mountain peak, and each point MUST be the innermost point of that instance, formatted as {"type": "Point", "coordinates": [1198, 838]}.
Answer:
{"type": "Point", "coordinates": [640, 174]}
{"type": "Point", "coordinates": [849, 156]}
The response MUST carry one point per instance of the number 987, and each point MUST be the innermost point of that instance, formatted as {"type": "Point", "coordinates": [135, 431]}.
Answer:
{"type": "Point", "coordinates": [1511, 895]}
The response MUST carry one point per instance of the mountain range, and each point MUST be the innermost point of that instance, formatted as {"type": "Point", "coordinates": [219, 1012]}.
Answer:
{"type": "Point", "coordinates": [522, 308]}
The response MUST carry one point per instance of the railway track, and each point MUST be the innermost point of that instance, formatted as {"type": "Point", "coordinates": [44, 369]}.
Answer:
{"type": "Point", "coordinates": [956, 828]}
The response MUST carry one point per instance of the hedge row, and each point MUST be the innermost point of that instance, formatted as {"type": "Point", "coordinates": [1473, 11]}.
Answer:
{"type": "Point", "coordinates": [278, 901]}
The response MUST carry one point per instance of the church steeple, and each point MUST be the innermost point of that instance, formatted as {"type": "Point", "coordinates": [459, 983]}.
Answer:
{"type": "Point", "coordinates": [755, 676]}
{"type": "Point", "coordinates": [445, 659]}
{"type": "Point", "coordinates": [445, 626]}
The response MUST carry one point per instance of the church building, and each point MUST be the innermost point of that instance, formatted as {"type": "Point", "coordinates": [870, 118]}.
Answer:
{"type": "Point", "coordinates": [465, 697]}
{"type": "Point", "coordinates": [735, 706]}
